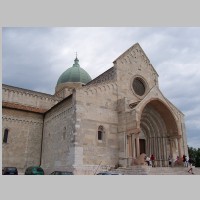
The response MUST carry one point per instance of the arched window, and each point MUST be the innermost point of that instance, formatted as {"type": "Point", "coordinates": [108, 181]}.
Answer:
{"type": "Point", "coordinates": [5, 137]}
{"type": "Point", "coordinates": [100, 133]}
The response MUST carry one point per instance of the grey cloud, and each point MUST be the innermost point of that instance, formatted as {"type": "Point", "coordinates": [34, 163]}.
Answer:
{"type": "Point", "coordinates": [193, 137]}
{"type": "Point", "coordinates": [34, 58]}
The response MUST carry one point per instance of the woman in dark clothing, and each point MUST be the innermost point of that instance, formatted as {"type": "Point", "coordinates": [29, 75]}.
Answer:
{"type": "Point", "coordinates": [153, 160]}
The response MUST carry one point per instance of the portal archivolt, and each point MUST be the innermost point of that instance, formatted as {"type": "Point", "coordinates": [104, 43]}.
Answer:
{"type": "Point", "coordinates": [158, 134]}
{"type": "Point", "coordinates": [154, 133]}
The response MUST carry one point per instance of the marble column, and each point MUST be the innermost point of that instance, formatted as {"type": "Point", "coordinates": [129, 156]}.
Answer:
{"type": "Point", "coordinates": [151, 146]}
{"type": "Point", "coordinates": [147, 146]}
{"type": "Point", "coordinates": [165, 151]}
{"type": "Point", "coordinates": [162, 151]}
{"type": "Point", "coordinates": [130, 154]}
{"type": "Point", "coordinates": [170, 145]}
{"type": "Point", "coordinates": [133, 146]}
{"type": "Point", "coordinates": [179, 147]}
{"type": "Point", "coordinates": [159, 150]}
{"type": "Point", "coordinates": [137, 145]}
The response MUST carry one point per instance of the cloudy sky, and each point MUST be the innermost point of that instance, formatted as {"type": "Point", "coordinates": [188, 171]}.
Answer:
{"type": "Point", "coordinates": [34, 58]}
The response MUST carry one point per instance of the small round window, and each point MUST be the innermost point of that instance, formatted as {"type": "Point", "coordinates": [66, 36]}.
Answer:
{"type": "Point", "coordinates": [139, 86]}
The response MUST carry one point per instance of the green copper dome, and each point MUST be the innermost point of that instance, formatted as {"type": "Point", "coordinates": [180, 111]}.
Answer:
{"type": "Point", "coordinates": [74, 74]}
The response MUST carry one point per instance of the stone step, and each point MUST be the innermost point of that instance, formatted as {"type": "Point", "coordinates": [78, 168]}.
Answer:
{"type": "Point", "coordinates": [146, 170]}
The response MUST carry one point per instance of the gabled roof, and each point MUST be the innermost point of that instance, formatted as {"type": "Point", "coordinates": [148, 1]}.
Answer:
{"type": "Point", "coordinates": [106, 76]}
{"type": "Point", "coordinates": [128, 51]}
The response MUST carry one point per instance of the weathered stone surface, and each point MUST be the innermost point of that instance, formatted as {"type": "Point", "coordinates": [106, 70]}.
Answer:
{"type": "Point", "coordinates": [23, 147]}
{"type": "Point", "coordinates": [58, 136]}
{"type": "Point", "coordinates": [105, 122]}
{"type": "Point", "coordinates": [22, 107]}
{"type": "Point", "coordinates": [27, 97]}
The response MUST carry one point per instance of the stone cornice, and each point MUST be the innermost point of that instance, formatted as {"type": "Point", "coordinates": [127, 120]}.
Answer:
{"type": "Point", "coordinates": [22, 120]}
{"type": "Point", "coordinates": [29, 92]}
{"type": "Point", "coordinates": [98, 88]}
{"type": "Point", "coordinates": [23, 107]}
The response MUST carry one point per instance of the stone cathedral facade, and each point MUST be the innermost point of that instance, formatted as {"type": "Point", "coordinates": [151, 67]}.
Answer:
{"type": "Point", "coordinates": [108, 121]}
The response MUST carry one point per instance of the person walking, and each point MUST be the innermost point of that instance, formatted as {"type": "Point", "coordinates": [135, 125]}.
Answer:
{"type": "Point", "coordinates": [191, 163]}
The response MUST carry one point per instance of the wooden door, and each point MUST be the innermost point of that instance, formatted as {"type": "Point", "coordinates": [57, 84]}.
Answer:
{"type": "Point", "coordinates": [142, 146]}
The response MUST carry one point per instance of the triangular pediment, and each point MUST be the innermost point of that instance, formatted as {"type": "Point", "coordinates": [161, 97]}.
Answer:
{"type": "Point", "coordinates": [132, 54]}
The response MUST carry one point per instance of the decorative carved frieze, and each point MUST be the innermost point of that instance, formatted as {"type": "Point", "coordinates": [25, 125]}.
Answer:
{"type": "Point", "coordinates": [29, 93]}
{"type": "Point", "coordinates": [23, 107]}
{"type": "Point", "coordinates": [21, 120]}
{"type": "Point", "coordinates": [107, 76]}
{"type": "Point", "coordinates": [99, 88]}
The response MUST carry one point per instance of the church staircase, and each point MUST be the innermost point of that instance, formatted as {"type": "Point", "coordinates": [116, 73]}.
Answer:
{"type": "Point", "coordinates": [148, 170]}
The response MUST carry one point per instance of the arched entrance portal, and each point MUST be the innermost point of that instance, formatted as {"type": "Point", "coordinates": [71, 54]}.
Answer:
{"type": "Point", "coordinates": [158, 129]}
{"type": "Point", "coordinates": [158, 133]}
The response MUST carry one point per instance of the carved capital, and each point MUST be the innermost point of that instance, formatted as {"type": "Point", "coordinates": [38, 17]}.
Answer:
{"type": "Point", "coordinates": [137, 131]}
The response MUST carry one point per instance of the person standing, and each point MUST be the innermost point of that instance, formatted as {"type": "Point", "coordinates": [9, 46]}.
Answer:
{"type": "Point", "coordinates": [186, 161]}
{"type": "Point", "coordinates": [153, 160]}
{"type": "Point", "coordinates": [170, 161]}
{"type": "Point", "coordinates": [176, 162]}
{"type": "Point", "coordinates": [147, 160]}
